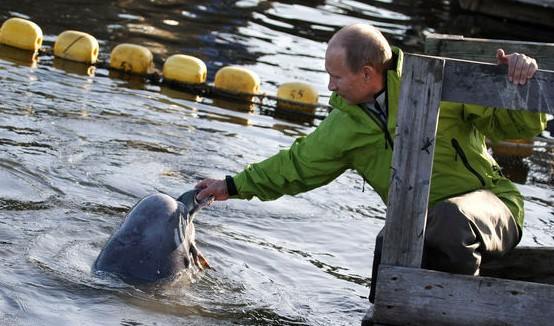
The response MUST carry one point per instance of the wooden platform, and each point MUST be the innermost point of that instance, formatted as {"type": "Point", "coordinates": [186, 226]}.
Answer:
{"type": "Point", "coordinates": [484, 50]}
{"type": "Point", "coordinates": [407, 294]}
{"type": "Point", "coordinates": [539, 12]}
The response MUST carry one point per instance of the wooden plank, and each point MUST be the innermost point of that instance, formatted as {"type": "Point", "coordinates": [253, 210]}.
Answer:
{"type": "Point", "coordinates": [414, 146]}
{"type": "Point", "coordinates": [488, 85]}
{"type": "Point", "coordinates": [484, 50]}
{"type": "Point", "coordinates": [476, 4]}
{"type": "Point", "coordinates": [515, 10]}
{"type": "Point", "coordinates": [531, 264]}
{"type": "Point", "coordinates": [411, 296]}
{"type": "Point", "coordinates": [540, 3]}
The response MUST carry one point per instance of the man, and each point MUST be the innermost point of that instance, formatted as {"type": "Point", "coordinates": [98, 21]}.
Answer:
{"type": "Point", "coordinates": [475, 213]}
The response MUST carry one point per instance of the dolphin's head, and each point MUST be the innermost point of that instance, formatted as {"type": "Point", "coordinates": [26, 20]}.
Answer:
{"type": "Point", "coordinates": [156, 240]}
{"type": "Point", "coordinates": [190, 203]}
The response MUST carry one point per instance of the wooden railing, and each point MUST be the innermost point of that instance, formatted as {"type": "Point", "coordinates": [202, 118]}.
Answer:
{"type": "Point", "coordinates": [407, 294]}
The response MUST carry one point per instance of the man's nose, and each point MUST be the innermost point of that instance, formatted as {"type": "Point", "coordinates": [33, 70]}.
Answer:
{"type": "Point", "coordinates": [332, 86]}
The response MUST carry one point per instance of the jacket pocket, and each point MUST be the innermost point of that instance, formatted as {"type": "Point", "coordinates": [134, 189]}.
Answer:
{"type": "Point", "coordinates": [465, 161]}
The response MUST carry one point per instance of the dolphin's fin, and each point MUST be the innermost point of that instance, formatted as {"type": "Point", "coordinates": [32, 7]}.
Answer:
{"type": "Point", "coordinates": [198, 259]}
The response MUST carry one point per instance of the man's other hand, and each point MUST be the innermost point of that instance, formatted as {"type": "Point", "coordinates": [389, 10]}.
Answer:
{"type": "Point", "coordinates": [520, 67]}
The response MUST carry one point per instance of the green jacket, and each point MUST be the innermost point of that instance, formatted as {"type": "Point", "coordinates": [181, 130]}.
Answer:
{"type": "Point", "coordinates": [349, 138]}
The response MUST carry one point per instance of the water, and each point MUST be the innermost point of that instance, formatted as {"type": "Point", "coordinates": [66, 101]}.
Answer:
{"type": "Point", "coordinates": [77, 151]}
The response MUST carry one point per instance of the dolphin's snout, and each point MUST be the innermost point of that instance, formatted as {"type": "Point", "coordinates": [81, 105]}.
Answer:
{"type": "Point", "coordinates": [204, 202]}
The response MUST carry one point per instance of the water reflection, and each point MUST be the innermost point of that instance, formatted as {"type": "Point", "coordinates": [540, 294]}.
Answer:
{"type": "Point", "coordinates": [17, 56]}
{"type": "Point", "coordinates": [177, 94]}
{"type": "Point", "coordinates": [72, 67]}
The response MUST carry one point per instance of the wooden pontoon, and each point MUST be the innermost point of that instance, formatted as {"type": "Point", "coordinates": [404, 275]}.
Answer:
{"type": "Point", "coordinates": [538, 12]}
{"type": "Point", "coordinates": [517, 290]}
{"type": "Point", "coordinates": [484, 50]}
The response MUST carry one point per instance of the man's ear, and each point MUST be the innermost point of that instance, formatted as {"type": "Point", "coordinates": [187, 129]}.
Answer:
{"type": "Point", "coordinates": [368, 72]}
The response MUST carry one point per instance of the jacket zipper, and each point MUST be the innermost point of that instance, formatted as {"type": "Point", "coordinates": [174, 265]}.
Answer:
{"type": "Point", "coordinates": [460, 152]}
{"type": "Point", "coordinates": [388, 138]}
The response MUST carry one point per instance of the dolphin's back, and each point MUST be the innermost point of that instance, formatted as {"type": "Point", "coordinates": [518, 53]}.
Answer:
{"type": "Point", "coordinates": [148, 245]}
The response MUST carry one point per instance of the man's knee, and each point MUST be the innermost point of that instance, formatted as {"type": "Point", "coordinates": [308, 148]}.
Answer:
{"type": "Point", "coordinates": [451, 243]}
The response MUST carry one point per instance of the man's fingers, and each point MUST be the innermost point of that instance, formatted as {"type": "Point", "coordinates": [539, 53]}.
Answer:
{"type": "Point", "coordinates": [519, 64]}
{"type": "Point", "coordinates": [525, 72]}
{"type": "Point", "coordinates": [512, 62]}
{"type": "Point", "coordinates": [203, 194]}
{"type": "Point", "coordinates": [501, 57]}
{"type": "Point", "coordinates": [520, 67]}
{"type": "Point", "coordinates": [203, 184]}
{"type": "Point", "coordinates": [532, 68]}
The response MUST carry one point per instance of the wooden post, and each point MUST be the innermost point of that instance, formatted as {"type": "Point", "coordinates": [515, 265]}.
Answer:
{"type": "Point", "coordinates": [413, 158]}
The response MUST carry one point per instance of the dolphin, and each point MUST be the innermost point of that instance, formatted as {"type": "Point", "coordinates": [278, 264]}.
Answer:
{"type": "Point", "coordinates": [155, 241]}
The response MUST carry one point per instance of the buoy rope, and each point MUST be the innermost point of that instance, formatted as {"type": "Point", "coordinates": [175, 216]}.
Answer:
{"type": "Point", "coordinates": [267, 104]}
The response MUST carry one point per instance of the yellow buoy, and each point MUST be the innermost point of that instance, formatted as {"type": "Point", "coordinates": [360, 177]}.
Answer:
{"type": "Point", "coordinates": [237, 80]}
{"type": "Point", "coordinates": [21, 33]}
{"type": "Point", "coordinates": [304, 94]}
{"type": "Point", "coordinates": [132, 58]}
{"type": "Point", "coordinates": [76, 46]}
{"type": "Point", "coordinates": [513, 147]}
{"type": "Point", "coordinates": [185, 69]}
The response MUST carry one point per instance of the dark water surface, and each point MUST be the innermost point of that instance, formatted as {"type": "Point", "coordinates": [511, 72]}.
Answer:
{"type": "Point", "coordinates": [77, 151]}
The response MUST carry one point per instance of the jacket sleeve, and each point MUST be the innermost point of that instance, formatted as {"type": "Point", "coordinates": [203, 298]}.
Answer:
{"type": "Point", "coordinates": [499, 124]}
{"type": "Point", "coordinates": [310, 162]}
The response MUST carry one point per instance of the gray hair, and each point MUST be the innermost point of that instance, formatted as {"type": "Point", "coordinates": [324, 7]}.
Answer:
{"type": "Point", "coordinates": [363, 45]}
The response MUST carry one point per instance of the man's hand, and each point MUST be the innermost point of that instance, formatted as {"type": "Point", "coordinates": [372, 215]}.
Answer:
{"type": "Point", "coordinates": [520, 67]}
{"type": "Point", "coordinates": [212, 187]}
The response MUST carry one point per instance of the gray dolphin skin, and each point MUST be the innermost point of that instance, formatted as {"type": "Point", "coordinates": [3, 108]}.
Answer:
{"type": "Point", "coordinates": [155, 241]}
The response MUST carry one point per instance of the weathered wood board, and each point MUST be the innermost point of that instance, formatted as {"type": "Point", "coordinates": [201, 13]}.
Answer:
{"type": "Point", "coordinates": [529, 264]}
{"type": "Point", "coordinates": [412, 296]}
{"type": "Point", "coordinates": [531, 11]}
{"type": "Point", "coordinates": [488, 85]}
{"type": "Point", "coordinates": [484, 50]}
{"type": "Point", "coordinates": [413, 157]}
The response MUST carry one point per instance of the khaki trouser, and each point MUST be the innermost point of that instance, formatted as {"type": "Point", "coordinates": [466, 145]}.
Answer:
{"type": "Point", "coordinates": [461, 233]}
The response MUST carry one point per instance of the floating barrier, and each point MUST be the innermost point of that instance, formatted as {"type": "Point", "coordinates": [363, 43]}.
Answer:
{"type": "Point", "coordinates": [77, 46]}
{"type": "Point", "coordinates": [297, 96]}
{"type": "Point", "coordinates": [235, 88]}
{"type": "Point", "coordinates": [237, 80]}
{"type": "Point", "coordinates": [185, 69]}
{"type": "Point", "coordinates": [132, 58]}
{"type": "Point", "coordinates": [21, 33]}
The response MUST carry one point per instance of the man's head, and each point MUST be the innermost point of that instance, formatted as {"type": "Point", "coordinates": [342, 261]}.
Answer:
{"type": "Point", "coordinates": [355, 59]}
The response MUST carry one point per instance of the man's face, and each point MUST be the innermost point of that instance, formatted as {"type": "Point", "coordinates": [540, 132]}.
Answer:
{"type": "Point", "coordinates": [352, 86]}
